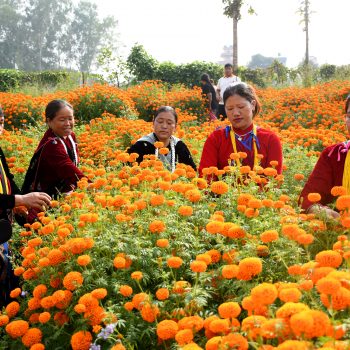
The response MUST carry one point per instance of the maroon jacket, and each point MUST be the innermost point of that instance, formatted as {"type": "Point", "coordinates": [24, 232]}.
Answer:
{"type": "Point", "coordinates": [56, 172]}
{"type": "Point", "coordinates": [218, 147]}
{"type": "Point", "coordinates": [328, 172]}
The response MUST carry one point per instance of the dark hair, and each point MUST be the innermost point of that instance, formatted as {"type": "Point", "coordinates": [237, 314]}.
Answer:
{"type": "Point", "coordinates": [205, 77]}
{"type": "Point", "coordinates": [246, 91]}
{"type": "Point", "coordinates": [228, 65]}
{"type": "Point", "coordinates": [1, 112]}
{"type": "Point", "coordinates": [55, 106]}
{"type": "Point", "coordinates": [347, 103]}
{"type": "Point", "coordinates": [165, 109]}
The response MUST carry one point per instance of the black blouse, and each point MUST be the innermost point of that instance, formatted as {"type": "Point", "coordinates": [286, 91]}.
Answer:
{"type": "Point", "coordinates": [182, 153]}
{"type": "Point", "coordinates": [7, 201]}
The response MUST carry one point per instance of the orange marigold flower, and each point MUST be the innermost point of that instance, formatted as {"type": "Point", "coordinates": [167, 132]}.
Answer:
{"type": "Point", "coordinates": [248, 268]}
{"type": "Point", "coordinates": [136, 275]}
{"type": "Point", "coordinates": [83, 260]}
{"type": "Point", "coordinates": [329, 258]}
{"type": "Point", "coordinates": [118, 347]}
{"type": "Point", "coordinates": [214, 227]}
{"type": "Point", "coordinates": [39, 291]}
{"type": "Point", "coordinates": [269, 236]}
{"type": "Point", "coordinates": [15, 293]}
{"type": "Point", "coordinates": [4, 320]}
{"type": "Point", "coordinates": [219, 187]}
{"type": "Point", "coordinates": [337, 191]}
{"type": "Point", "coordinates": [193, 195]}
{"type": "Point", "coordinates": [167, 329]}
{"type": "Point", "coordinates": [184, 336]}
{"type": "Point", "coordinates": [157, 199]}
{"type": "Point", "coordinates": [185, 210]}
{"type": "Point", "coordinates": [299, 177]}
{"type": "Point", "coordinates": [80, 308]}
{"type": "Point", "coordinates": [230, 271]}
{"type": "Point", "coordinates": [343, 202]}
{"type": "Point", "coordinates": [119, 262]}
{"type": "Point", "coordinates": [162, 294]}
{"type": "Point", "coordinates": [314, 197]}
{"type": "Point", "coordinates": [230, 309]}
{"type": "Point", "coordinates": [174, 262]}
{"type": "Point", "coordinates": [264, 293]}
{"type": "Point", "coordinates": [44, 317]}
{"type": "Point", "coordinates": [99, 293]}
{"type": "Point", "coordinates": [149, 312]}
{"type": "Point", "coordinates": [194, 323]}
{"type": "Point", "coordinates": [198, 266]}
{"type": "Point", "coordinates": [157, 226]}
{"type": "Point", "coordinates": [12, 309]}
{"type": "Point", "coordinates": [252, 325]}
{"type": "Point", "coordinates": [290, 295]}
{"type": "Point", "coordinates": [16, 329]}
{"type": "Point", "coordinates": [162, 243]}
{"type": "Point", "coordinates": [125, 290]}
{"type": "Point", "coordinates": [81, 340]}
{"type": "Point", "coordinates": [31, 337]}
{"type": "Point", "coordinates": [72, 280]}
{"type": "Point", "coordinates": [290, 308]}
{"type": "Point", "coordinates": [328, 285]}
{"type": "Point", "coordinates": [220, 326]}
{"type": "Point", "coordinates": [340, 300]}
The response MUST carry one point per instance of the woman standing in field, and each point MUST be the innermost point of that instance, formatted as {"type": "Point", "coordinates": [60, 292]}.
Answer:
{"type": "Point", "coordinates": [331, 170]}
{"type": "Point", "coordinates": [164, 126]}
{"type": "Point", "coordinates": [54, 168]}
{"type": "Point", "coordinates": [242, 135]}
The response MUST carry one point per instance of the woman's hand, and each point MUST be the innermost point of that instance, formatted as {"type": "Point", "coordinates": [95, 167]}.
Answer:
{"type": "Point", "coordinates": [37, 200]}
{"type": "Point", "coordinates": [323, 210]}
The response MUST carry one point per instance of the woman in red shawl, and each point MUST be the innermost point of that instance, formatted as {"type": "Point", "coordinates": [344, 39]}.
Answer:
{"type": "Point", "coordinates": [241, 105]}
{"type": "Point", "coordinates": [54, 166]}
{"type": "Point", "coordinates": [332, 169]}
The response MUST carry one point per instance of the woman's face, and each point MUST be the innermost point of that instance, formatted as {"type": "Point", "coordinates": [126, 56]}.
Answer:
{"type": "Point", "coordinates": [63, 122]}
{"type": "Point", "coordinates": [2, 122]}
{"type": "Point", "coordinates": [164, 126]}
{"type": "Point", "coordinates": [239, 111]}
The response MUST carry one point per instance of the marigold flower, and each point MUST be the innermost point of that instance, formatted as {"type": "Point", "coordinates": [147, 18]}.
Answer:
{"type": "Point", "coordinates": [219, 187]}
{"type": "Point", "coordinates": [81, 340]}
{"type": "Point", "coordinates": [198, 266]}
{"type": "Point", "coordinates": [329, 258]}
{"type": "Point", "coordinates": [17, 328]}
{"type": "Point", "coordinates": [185, 210]}
{"type": "Point", "coordinates": [269, 236]}
{"type": "Point", "coordinates": [125, 290]}
{"type": "Point", "coordinates": [229, 310]}
{"type": "Point", "coordinates": [99, 293]}
{"type": "Point", "coordinates": [157, 226]}
{"type": "Point", "coordinates": [167, 329]}
{"type": "Point", "coordinates": [314, 197]}
{"type": "Point", "coordinates": [328, 285]}
{"type": "Point", "coordinates": [337, 191]}
{"type": "Point", "coordinates": [174, 262]}
{"type": "Point", "coordinates": [264, 293]}
{"type": "Point", "coordinates": [230, 271]}
{"type": "Point", "coordinates": [248, 268]}
{"type": "Point", "coordinates": [83, 260]}
{"type": "Point", "coordinates": [119, 262]}
{"type": "Point", "coordinates": [31, 337]}
{"type": "Point", "coordinates": [290, 295]}
{"type": "Point", "coordinates": [162, 294]}
{"type": "Point", "coordinates": [149, 312]}
{"type": "Point", "coordinates": [194, 323]}
{"type": "Point", "coordinates": [12, 309]}
{"type": "Point", "coordinates": [214, 227]}
{"type": "Point", "coordinates": [137, 275]}
{"type": "Point", "coordinates": [343, 202]}
{"type": "Point", "coordinates": [72, 280]}
{"type": "Point", "coordinates": [184, 336]}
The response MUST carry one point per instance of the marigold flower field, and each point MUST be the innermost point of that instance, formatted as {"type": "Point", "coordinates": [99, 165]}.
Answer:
{"type": "Point", "coordinates": [145, 259]}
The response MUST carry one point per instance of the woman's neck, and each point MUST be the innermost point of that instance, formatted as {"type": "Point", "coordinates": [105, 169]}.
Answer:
{"type": "Point", "coordinates": [243, 131]}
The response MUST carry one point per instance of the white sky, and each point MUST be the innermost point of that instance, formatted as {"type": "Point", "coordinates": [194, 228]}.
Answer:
{"type": "Point", "coordinates": [182, 31]}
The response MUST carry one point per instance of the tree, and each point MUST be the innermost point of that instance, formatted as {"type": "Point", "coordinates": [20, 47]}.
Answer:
{"type": "Point", "coordinates": [142, 65]}
{"type": "Point", "coordinates": [260, 61]}
{"type": "Point", "coordinates": [233, 10]}
{"type": "Point", "coordinates": [86, 35]}
{"type": "Point", "coordinates": [304, 11]}
{"type": "Point", "coordinates": [11, 33]}
{"type": "Point", "coordinates": [45, 22]}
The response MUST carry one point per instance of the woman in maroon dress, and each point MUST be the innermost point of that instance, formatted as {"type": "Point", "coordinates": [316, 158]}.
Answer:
{"type": "Point", "coordinates": [241, 105]}
{"type": "Point", "coordinates": [329, 172]}
{"type": "Point", "coordinates": [54, 166]}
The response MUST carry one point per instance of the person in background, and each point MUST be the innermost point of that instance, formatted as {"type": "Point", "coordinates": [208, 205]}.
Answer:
{"type": "Point", "coordinates": [331, 170]}
{"type": "Point", "coordinates": [223, 84]}
{"type": "Point", "coordinates": [243, 135]}
{"type": "Point", "coordinates": [2, 121]}
{"type": "Point", "coordinates": [164, 126]}
{"type": "Point", "coordinates": [209, 91]}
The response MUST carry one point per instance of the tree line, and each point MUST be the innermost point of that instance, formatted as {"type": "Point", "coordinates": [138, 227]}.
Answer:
{"type": "Point", "coordinates": [38, 35]}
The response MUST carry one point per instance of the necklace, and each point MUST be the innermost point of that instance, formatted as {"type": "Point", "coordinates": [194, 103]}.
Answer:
{"type": "Point", "coordinates": [234, 146]}
{"type": "Point", "coordinates": [172, 155]}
